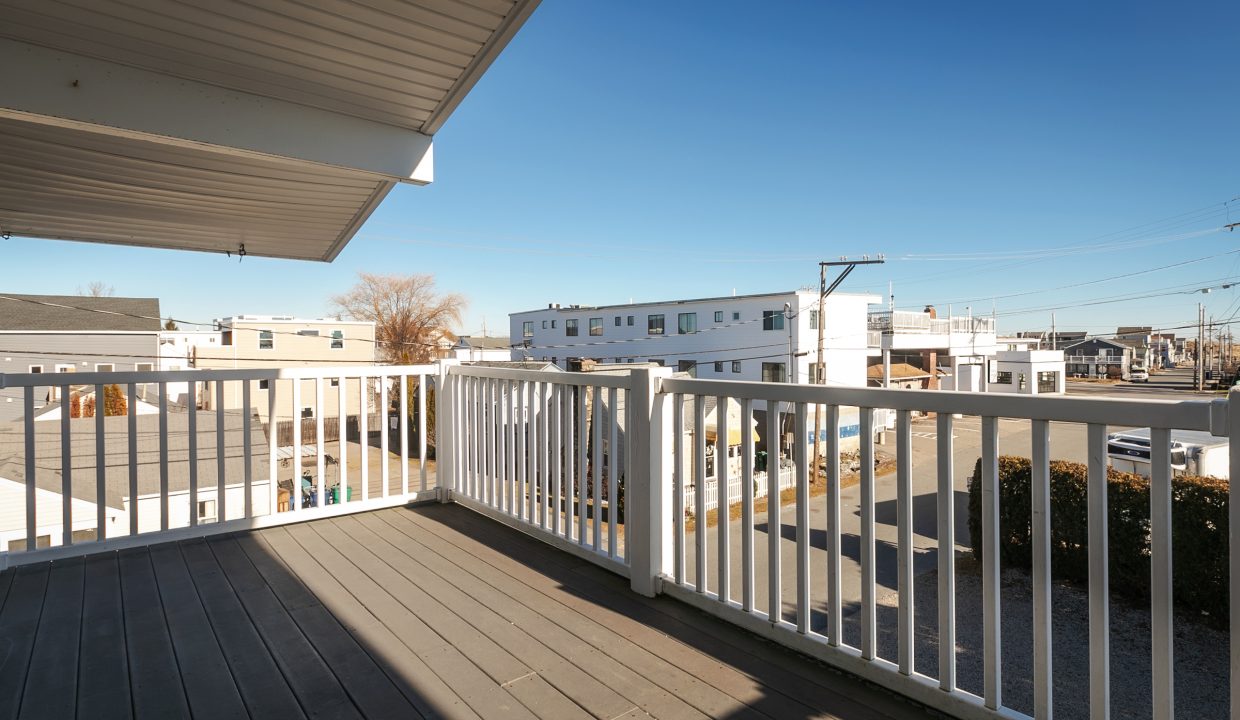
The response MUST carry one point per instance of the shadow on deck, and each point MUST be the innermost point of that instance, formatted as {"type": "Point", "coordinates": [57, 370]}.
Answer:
{"type": "Point", "coordinates": [428, 611]}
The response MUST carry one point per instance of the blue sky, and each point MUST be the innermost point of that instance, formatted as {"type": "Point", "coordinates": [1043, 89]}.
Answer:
{"type": "Point", "coordinates": [655, 150]}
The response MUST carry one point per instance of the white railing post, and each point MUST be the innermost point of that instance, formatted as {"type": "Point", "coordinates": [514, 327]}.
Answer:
{"type": "Point", "coordinates": [445, 438]}
{"type": "Point", "coordinates": [648, 516]}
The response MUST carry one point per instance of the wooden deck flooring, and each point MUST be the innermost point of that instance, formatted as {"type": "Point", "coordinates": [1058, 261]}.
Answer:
{"type": "Point", "coordinates": [430, 611]}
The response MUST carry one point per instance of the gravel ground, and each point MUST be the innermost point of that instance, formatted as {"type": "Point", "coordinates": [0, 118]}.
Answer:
{"type": "Point", "coordinates": [1201, 687]}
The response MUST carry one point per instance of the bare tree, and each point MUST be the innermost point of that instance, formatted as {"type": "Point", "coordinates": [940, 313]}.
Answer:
{"type": "Point", "coordinates": [96, 288]}
{"type": "Point", "coordinates": [410, 317]}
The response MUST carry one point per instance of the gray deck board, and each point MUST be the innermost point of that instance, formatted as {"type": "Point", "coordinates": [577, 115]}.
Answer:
{"type": "Point", "coordinates": [103, 664]}
{"type": "Point", "coordinates": [52, 692]}
{"type": "Point", "coordinates": [431, 611]}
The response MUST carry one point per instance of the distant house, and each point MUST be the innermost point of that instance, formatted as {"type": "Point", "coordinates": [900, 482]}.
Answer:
{"type": "Point", "coordinates": [1098, 358]}
{"type": "Point", "coordinates": [118, 500]}
{"type": "Point", "coordinates": [471, 348]}
{"type": "Point", "coordinates": [67, 334]}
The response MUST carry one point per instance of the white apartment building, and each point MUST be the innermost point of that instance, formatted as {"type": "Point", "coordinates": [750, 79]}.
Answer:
{"type": "Point", "coordinates": [176, 352]}
{"type": "Point", "coordinates": [746, 337]}
{"type": "Point", "coordinates": [266, 341]}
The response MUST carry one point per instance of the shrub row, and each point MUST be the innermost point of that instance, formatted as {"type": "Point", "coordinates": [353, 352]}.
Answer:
{"type": "Point", "coordinates": [1198, 520]}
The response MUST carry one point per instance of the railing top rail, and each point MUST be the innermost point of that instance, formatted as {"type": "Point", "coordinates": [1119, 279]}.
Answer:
{"type": "Point", "coordinates": [605, 380]}
{"type": "Point", "coordinates": [17, 380]}
{"type": "Point", "coordinates": [1205, 415]}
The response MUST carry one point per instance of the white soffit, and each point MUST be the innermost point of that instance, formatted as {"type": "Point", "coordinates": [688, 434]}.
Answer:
{"type": "Point", "coordinates": [276, 125]}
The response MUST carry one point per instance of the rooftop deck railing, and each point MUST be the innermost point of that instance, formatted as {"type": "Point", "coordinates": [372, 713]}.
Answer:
{"type": "Point", "coordinates": [599, 465]}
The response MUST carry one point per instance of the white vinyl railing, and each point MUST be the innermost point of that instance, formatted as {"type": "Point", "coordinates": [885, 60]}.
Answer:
{"type": "Point", "coordinates": [600, 465]}
{"type": "Point", "coordinates": [211, 462]}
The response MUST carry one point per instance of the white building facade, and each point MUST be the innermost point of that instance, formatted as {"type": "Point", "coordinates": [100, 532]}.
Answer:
{"type": "Point", "coordinates": [747, 337]}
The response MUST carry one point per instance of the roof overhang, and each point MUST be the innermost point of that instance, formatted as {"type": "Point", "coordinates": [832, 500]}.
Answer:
{"type": "Point", "coordinates": [278, 128]}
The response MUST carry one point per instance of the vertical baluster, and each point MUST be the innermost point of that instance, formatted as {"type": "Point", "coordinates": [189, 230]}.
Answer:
{"type": "Point", "coordinates": [597, 462]}
{"type": "Point", "coordinates": [424, 381]}
{"type": "Point", "coordinates": [192, 439]}
{"type": "Point", "coordinates": [273, 462]}
{"type": "Point", "coordinates": [905, 623]}
{"type": "Point", "coordinates": [570, 448]}
{"type": "Point", "coordinates": [582, 464]}
{"type": "Point", "coordinates": [946, 524]}
{"type": "Point", "coordinates": [342, 432]}
{"type": "Point", "coordinates": [247, 448]}
{"type": "Point", "coordinates": [801, 431]}
{"type": "Point", "coordinates": [747, 492]}
{"type": "Point", "coordinates": [774, 521]}
{"type": "Point", "coordinates": [383, 436]}
{"type": "Point", "coordinates": [101, 465]}
{"type": "Point", "coordinates": [163, 454]}
{"type": "Point", "coordinates": [32, 518]}
{"type": "Point", "coordinates": [678, 487]}
{"type": "Point", "coordinates": [66, 469]}
{"type": "Point", "coordinates": [544, 458]}
{"type": "Point", "coordinates": [1161, 608]}
{"type": "Point", "coordinates": [721, 481]}
{"type": "Point", "coordinates": [483, 431]}
{"type": "Point", "coordinates": [613, 471]}
{"type": "Point", "coordinates": [320, 464]}
{"type": "Point", "coordinates": [220, 477]}
{"type": "Point", "coordinates": [699, 490]}
{"type": "Point", "coordinates": [493, 457]}
{"type": "Point", "coordinates": [522, 423]}
{"type": "Point", "coordinates": [531, 507]}
{"type": "Point", "coordinates": [1099, 577]}
{"type": "Point", "coordinates": [296, 498]}
{"type": "Point", "coordinates": [363, 401]}
{"type": "Point", "coordinates": [404, 434]}
{"type": "Point", "coordinates": [1233, 546]}
{"type": "Point", "coordinates": [869, 635]}
{"type": "Point", "coordinates": [626, 460]}
{"type": "Point", "coordinates": [557, 453]}
{"type": "Point", "coordinates": [505, 445]}
{"type": "Point", "coordinates": [835, 607]}
{"type": "Point", "coordinates": [132, 422]}
{"type": "Point", "coordinates": [1041, 487]}
{"type": "Point", "coordinates": [991, 585]}
{"type": "Point", "coordinates": [497, 424]}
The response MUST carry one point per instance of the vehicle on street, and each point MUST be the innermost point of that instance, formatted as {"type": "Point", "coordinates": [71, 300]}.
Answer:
{"type": "Point", "coordinates": [1192, 453]}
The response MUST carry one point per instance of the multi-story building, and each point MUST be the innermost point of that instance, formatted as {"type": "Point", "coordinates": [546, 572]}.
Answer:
{"type": "Point", "coordinates": [747, 337]}
{"type": "Point", "coordinates": [65, 334]}
{"type": "Point", "coordinates": [264, 341]}
{"type": "Point", "coordinates": [960, 345]}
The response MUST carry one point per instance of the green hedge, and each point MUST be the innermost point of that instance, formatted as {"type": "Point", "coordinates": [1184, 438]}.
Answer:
{"type": "Point", "coordinates": [1199, 531]}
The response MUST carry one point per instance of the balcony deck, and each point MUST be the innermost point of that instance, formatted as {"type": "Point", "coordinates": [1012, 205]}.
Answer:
{"type": "Point", "coordinates": [427, 611]}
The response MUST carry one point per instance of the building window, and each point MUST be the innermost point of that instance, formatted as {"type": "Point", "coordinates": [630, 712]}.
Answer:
{"type": "Point", "coordinates": [1048, 382]}
{"type": "Point", "coordinates": [687, 366]}
{"type": "Point", "coordinates": [552, 324]}
{"type": "Point", "coordinates": [570, 327]}
{"type": "Point", "coordinates": [596, 326]}
{"type": "Point", "coordinates": [264, 384]}
{"type": "Point", "coordinates": [654, 325]}
{"type": "Point", "coordinates": [617, 321]}
{"type": "Point", "coordinates": [308, 333]}
{"type": "Point", "coordinates": [144, 367]}
{"type": "Point", "coordinates": [307, 412]}
{"type": "Point", "coordinates": [630, 321]}
{"type": "Point", "coordinates": [718, 316]}
{"type": "Point", "coordinates": [813, 319]}
{"type": "Point", "coordinates": [736, 316]}
{"type": "Point", "coordinates": [337, 339]}
{"type": "Point", "coordinates": [206, 510]}
{"type": "Point", "coordinates": [544, 324]}
{"type": "Point", "coordinates": [104, 367]}
{"type": "Point", "coordinates": [772, 319]}
{"type": "Point", "coordinates": [266, 340]}
{"type": "Point", "coordinates": [527, 328]}
{"type": "Point", "coordinates": [774, 372]}
{"type": "Point", "coordinates": [718, 366]}
{"type": "Point", "coordinates": [686, 323]}
{"type": "Point", "coordinates": [333, 382]}
{"type": "Point", "coordinates": [1004, 377]}
{"type": "Point", "coordinates": [736, 366]}
{"type": "Point", "coordinates": [36, 369]}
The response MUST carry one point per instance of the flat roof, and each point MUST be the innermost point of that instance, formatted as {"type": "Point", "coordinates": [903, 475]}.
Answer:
{"type": "Point", "coordinates": [580, 308]}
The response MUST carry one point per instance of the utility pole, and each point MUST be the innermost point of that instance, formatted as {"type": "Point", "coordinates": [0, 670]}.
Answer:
{"type": "Point", "coordinates": [1054, 338]}
{"type": "Point", "coordinates": [820, 368]}
{"type": "Point", "coordinates": [1199, 367]}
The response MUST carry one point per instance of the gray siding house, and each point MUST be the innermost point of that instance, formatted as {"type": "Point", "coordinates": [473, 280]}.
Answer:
{"type": "Point", "coordinates": [65, 334]}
